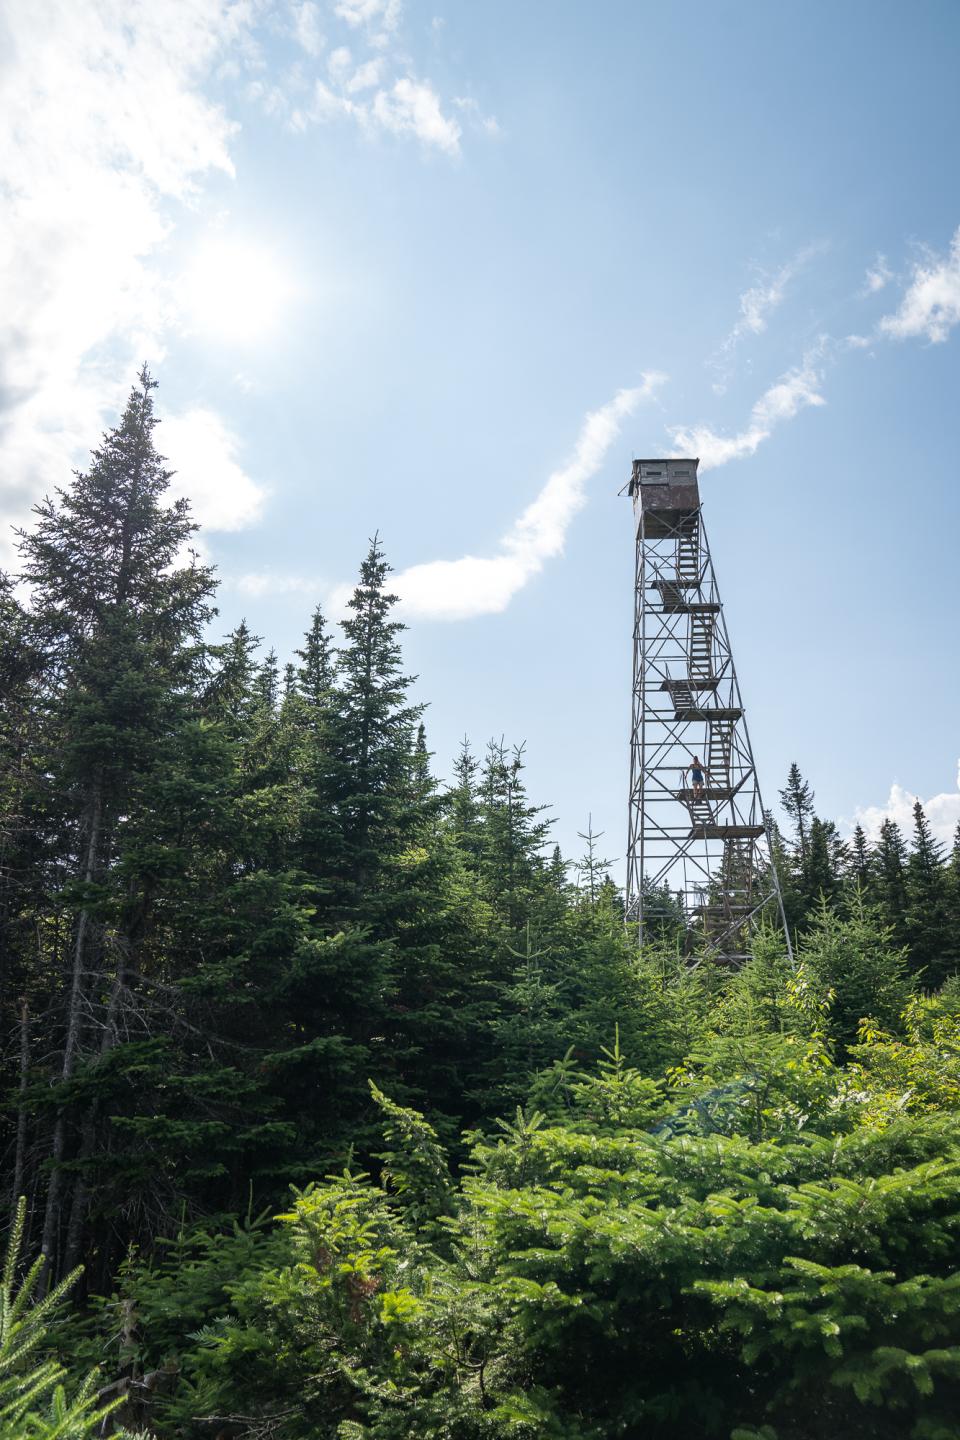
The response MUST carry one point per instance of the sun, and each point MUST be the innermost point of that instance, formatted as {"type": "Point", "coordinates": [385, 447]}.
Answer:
{"type": "Point", "coordinates": [234, 290]}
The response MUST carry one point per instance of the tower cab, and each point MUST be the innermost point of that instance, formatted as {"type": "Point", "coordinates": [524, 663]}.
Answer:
{"type": "Point", "coordinates": [665, 495]}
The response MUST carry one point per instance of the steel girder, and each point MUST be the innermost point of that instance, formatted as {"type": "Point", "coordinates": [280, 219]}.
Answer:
{"type": "Point", "coordinates": [711, 851]}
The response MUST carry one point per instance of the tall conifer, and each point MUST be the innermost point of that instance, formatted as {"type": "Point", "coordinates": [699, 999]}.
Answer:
{"type": "Point", "coordinates": [934, 945]}
{"type": "Point", "coordinates": [120, 613]}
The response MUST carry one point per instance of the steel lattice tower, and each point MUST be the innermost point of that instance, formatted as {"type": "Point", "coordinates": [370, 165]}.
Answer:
{"type": "Point", "coordinates": [710, 848]}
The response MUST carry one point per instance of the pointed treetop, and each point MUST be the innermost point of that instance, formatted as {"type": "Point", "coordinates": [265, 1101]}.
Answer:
{"type": "Point", "coordinates": [112, 539]}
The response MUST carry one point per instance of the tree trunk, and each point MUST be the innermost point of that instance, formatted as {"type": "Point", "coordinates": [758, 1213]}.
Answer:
{"type": "Point", "coordinates": [118, 999]}
{"type": "Point", "coordinates": [71, 1046]}
{"type": "Point", "coordinates": [16, 1190]}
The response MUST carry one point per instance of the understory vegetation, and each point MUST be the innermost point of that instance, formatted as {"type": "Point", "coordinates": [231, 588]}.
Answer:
{"type": "Point", "coordinates": [337, 1102]}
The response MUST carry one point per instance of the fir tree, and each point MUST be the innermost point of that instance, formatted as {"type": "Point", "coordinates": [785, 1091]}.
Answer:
{"type": "Point", "coordinates": [121, 617]}
{"type": "Point", "coordinates": [514, 835]}
{"type": "Point", "coordinates": [797, 800]}
{"type": "Point", "coordinates": [821, 867]}
{"type": "Point", "coordinates": [315, 677]}
{"type": "Point", "coordinates": [859, 857]}
{"type": "Point", "coordinates": [465, 806]}
{"type": "Point", "coordinates": [855, 960]}
{"type": "Point", "coordinates": [376, 724]}
{"type": "Point", "coordinates": [929, 923]}
{"type": "Point", "coordinates": [889, 882]}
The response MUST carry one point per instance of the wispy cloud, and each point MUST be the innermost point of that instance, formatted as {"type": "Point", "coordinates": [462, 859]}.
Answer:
{"type": "Point", "coordinates": [485, 585]}
{"type": "Point", "coordinates": [757, 304]}
{"type": "Point", "coordinates": [371, 83]}
{"type": "Point", "coordinates": [378, 17]}
{"type": "Point", "coordinates": [942, 811]}
{"type": "Point", "coordinates": [877, 276]}
{"type": "Point", "coordinates": [407, 107]}
{"type": "Point", "coordinates": [930, 306]}
{"type": "Point", "coordinates": [307, 27]}
{"type": "Point", "coordinates": [797, 390]}
{"type": "Point", "coordinates": [412, 107]}
{"type": "Point", "coordinates": [471, 110]}
{"type": "Point", "coordinates": [257, 583]}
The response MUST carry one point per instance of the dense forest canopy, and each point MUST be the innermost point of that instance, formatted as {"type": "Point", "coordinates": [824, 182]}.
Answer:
{"type": "Point", "coordinates": [355, 1099]}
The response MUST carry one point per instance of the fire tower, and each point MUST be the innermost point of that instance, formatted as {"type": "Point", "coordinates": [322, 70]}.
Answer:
{"type": "Point", "coordinates": [705, 841]}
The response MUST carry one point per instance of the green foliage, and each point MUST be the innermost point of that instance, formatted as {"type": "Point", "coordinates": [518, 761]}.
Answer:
{"type": "Point", "coordinates": [248, 940]}
{"type": "Point", "coordinates": [34, 1402]}
{"type": "Point", "coordinates": [855, 959]}
{"type": "Point", "coordinates": [415, 1169]}
{"type": "Point", "coordinates": [600, 1275]}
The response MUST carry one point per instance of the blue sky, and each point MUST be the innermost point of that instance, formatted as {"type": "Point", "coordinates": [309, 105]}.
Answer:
{"type": "Point", "coordinates": [440, 270]}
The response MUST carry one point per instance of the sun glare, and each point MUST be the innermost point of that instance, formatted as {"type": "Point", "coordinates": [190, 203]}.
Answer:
{"type": "Point", "coordinates": [234, 290]}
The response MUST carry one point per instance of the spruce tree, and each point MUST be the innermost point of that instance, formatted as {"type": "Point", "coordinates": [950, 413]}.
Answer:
{"type": "Point", "coordinates": [464, 808]}
{"type": "Point", "coordinates": [797, 800]}
{"type": "Point", "coordinates": [934, 944]}
{"type": "Point", "coordinates": [857, 959]}
{"type": "Point", "coordinates": [315, 676]}
{"type": "Point", "coordinates": [514, 835]}
{"type": "Point", "coordinates": [889, 883]}
{"type": "Point", "coordinates": [858, 866]}
{"type": "Point", "coordinates": [367, 806]}
{"type": "Point", "coordinates": [375, 731]}
{"type": "Point", "coordinates": [120, 615]}
{"type": "Point", "coordinates": [821, 867]}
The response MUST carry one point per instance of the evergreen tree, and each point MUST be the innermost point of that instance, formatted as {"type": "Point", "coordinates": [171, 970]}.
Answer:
{"type": "Point", "coordinates": [120, 618]}
{"type": "Point", "coordinates": [816, 872]}
{"type": "Point", "coordinates": [797, 800]}
{"type": "Point", "coordinates": [791, 892]}
{"type": "Point", "coordinates": [465, 807]}
{"type": "Point", "coordinates": [859, 857]}
{"type": "Point", "coordinates": [889, 878]}
{"type": "Point", "coordinates": [931, 934]}
{"type": "Point", "coordinates": [375, 730]}
{"type": "Point", "coordinates": [856, 961]}
{"type": "Point", "coordinates": [315, 677]}
{"type": "Point", "coordinates": [953, 880]}
{"type": "Point", "coordinates": [511, 860]}
{"type": "Point", "coordinates": [312, 709]}
{"type": "Point", "coordinates": [22, 856]}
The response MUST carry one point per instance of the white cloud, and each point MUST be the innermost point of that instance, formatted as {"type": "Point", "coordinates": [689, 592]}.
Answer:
{"type": "Point", "coordinates": [339, 63]}
{"type": "Point", "coordinates": [412, 107]}
{"type": "Point", "coordinates": [942, 811]}
{"type": "Point", "coordinates": [203, 452]}
{"type": "Point", "coordinates": [366, 76]}
{"type": "Point", "coordinates": [306, 27]}
{"type": "Point", "coordinates": [756, 305]}
{"type": "Point", "coordinates": [795, 391]}
{"type": "Point", "coordinates": [477, 585]}
{"type": "Point", "coordinates": [877, 275]}
{"type": "Point", "coordinates": [105, 133]}
{"type": "Point", "coordinates": [266, 582]}
{"type": "Point", "coordinates": [385, 13]}
{"type": "Point", "coordinates": [488, 124]}
{"type": "Point", "coordinates": [407, 107]}
{"type": "Point", "coordinates": [379, 93]}
{"type": "Point", "coordinates": [760, 300]}
{"type": "Point", "coordinates": [931, 303]}
{"type": "Point", "coordinates": [350, 77]}
{"type": "Point", "coordinates": [379, 18]}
